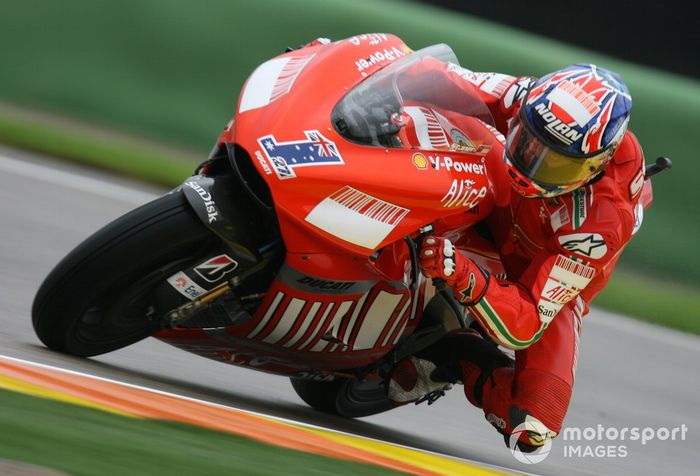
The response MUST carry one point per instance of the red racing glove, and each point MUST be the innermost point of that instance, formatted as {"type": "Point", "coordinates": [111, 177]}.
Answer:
{"type": "Point", "coordinates": [439, 259]}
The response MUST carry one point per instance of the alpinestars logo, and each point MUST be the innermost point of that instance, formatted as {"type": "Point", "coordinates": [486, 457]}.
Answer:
{"type": "Point", "coordinates": [467, 294]}
{"type": "Point", "coordinates": [215, 268]}
{"type": "Point", "coordinates": [588, 245]}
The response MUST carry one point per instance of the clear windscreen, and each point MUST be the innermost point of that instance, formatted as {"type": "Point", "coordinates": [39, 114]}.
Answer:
{"type": "Point", "coordinates": [372, 113]}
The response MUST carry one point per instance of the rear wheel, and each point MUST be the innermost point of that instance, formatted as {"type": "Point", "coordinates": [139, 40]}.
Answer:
{"type": "Point", "coordinates": [350, 398]}
{"type": "Point", "coordinates": [99, 297]}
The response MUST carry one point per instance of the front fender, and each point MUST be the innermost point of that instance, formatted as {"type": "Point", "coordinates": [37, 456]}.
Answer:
{"type": "Point", "coordinates": [225, 208]}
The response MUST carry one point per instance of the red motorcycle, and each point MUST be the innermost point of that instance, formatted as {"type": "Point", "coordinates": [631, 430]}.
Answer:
{"type": "Point", "coordinates": [293, 249]}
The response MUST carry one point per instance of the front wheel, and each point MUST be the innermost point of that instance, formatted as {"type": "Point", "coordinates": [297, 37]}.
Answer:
{"type": "Point", "coordinates": [350, 398]}
{"type": "Point", "coordinates": [99, 297]}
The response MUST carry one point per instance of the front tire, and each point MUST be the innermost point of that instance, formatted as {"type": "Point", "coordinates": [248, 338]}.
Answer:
{"type": "Point", "coordinates": [99, 297]}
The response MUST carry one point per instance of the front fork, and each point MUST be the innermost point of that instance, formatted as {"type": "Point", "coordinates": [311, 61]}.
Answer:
{"type": "Point", "coordinates": [249, 251]}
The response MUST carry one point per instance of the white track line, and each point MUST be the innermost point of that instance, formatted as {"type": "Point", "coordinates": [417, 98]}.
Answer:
{"type": "Point", "coordinates": [258, 414]}
{"type": "Point", "coordinates": [74, 181]}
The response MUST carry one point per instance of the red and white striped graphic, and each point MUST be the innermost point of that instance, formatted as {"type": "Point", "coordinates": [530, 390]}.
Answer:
{"type": "Point", "coordinates": [560, 217]}
{"type": "Point", "coordinates": [287, 76]}
{"type": "Point", "coordinates": [356, 217]}
{"type": "Point", "coordinates": [429, 132]}
{"type": "Point", "coordinates": [585, 100]}
{"type": "Point", "coordinates": [270, 81]}
{"type": "Point", "coordinates": [272, 308]}
{"type": "Point", "coordinates": [579, 307]}
{"type": "Point", "coordinates": [564, 283]}
{"type": "Point", "coordinates": [376, 319]}
{"type": "Point", "coordinates": [496, 84]}
{"type": "Point", "coordinates": [367, 205]}
{"type": "Point", "coordinates": [571, 266]}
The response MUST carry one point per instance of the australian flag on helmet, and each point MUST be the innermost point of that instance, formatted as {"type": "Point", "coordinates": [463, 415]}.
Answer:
{"type": "Point", "coordinates": [579, 110]}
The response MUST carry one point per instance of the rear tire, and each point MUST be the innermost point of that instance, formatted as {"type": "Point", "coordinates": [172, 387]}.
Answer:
{"type": "Point", "coordinates": [99, 297]}
{"type": "Point", "coordinates": [318, 395]}
{"type": "Point", "coordinates": [350, 398]}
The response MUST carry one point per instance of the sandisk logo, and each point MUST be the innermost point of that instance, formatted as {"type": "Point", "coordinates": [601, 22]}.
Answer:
{"type": "Point", "coordinates": [212, 212]}
{"type": "Point", "coordinates": [556, 127]}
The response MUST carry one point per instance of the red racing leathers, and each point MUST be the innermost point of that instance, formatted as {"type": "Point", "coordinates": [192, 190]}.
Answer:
{"type": "Point", "coordinates": [558, 253]}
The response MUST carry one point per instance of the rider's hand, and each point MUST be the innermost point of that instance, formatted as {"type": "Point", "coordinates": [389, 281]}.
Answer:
{"type": "Point", "coordinates": [439, 259]}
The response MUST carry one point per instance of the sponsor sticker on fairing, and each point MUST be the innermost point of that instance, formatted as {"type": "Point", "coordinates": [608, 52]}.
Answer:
{"type": "Point", "coordinates": [284, 157]}
{"type": "Point", "coordinates": [370, 38]}
{"type": "Point", "coordinates": [462, 143]}
{"type": "Point", "coordinates": [266, 168]}
{"type": "Point", "coordinates": [447, 163]}
{"type": "Point", "coordinates": [420, 161]}
{"type": "Point", "coordinates": [451, 164]}
{"type": "Point", "coordinates": [271, 80]}
{"type": "Point", "coordinates": [427, 127]}
{"type": "Point", "coordinates": [209, 203]}
{"type": "Point", "coordinates": [213, 269]}
{"type": "Point", "coordinates": [185, 286]}
{"type": "Point", "coordinates": [462, 193]}
{"type": "Point", "coordinates": [356, 217]}
{"type": "Point", "coordinates": [381, 56]}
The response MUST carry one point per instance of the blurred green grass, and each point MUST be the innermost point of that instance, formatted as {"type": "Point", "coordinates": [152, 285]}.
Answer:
{"type": "Point", "coordinates": [118, 153]}
{"type": "Point", "coordinates": [83, 441]}
{"type": "Point", "coordinates": [660, 302]}
{"type": "Point", "coordinates": [171, 71]}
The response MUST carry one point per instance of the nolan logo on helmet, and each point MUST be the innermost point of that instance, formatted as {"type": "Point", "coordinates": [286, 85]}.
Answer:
{"type": "Point", "coordinates": [577, 104]}
{"type": "Point", "coordinates": [556, 127]}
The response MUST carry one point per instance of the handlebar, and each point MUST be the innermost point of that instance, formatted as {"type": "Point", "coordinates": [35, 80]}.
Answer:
{"type": "Point", "coordinates": [661, 164]}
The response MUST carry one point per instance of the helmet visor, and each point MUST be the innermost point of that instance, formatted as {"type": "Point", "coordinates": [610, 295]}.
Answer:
{"type": "Point", "coordinates": [546, 166]}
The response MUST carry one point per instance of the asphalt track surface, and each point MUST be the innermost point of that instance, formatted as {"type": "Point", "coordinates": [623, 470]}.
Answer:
{"type": "Point", "coordinates": [630, 374]}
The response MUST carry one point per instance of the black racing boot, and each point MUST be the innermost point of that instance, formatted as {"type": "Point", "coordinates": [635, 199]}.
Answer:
{"type": "Point", "coordinates": [474, 358]}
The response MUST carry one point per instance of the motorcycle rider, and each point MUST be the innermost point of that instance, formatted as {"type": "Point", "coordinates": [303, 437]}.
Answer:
{"type": "Point", "coordinates": [568, 201]}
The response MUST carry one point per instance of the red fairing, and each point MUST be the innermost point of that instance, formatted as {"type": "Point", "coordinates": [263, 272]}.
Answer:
{"type": "Point", "coordinates": [274, 112]}
{"type": "Point", "coordinates": [344, 205]}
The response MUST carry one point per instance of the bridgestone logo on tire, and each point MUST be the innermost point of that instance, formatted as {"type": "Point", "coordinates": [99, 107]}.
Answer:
{"type": "Point", "coordinates": [215, 268]}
